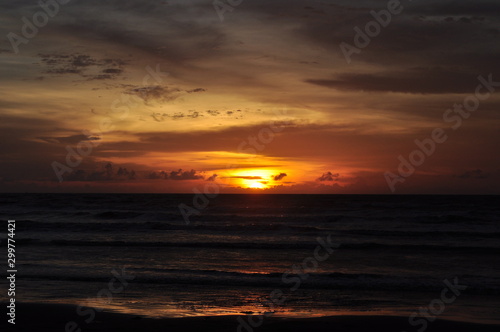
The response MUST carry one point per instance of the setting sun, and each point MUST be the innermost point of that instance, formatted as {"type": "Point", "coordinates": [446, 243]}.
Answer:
{"type": "Point", "coordinates": [253, 178]}
{"type": "Point", "coordinates": [258, 185]}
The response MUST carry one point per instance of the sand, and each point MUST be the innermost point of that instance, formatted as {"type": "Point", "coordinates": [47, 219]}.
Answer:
{"type": "Point", "coordinates": [55, 317]}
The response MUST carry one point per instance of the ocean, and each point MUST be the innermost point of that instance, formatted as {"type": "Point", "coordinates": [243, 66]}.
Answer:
{"type": "Point", "coordinates": [393, 254]}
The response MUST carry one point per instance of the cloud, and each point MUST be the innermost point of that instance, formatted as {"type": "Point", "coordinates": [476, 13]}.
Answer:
{"type": "Point", "coordinates": [106, 173]}
{"type": "Point", "coordinates": [157, 93]}
{"type": "Point", "coordinates": [193, 114]}
{"type": "Point", "coordinates": [184, 175]}
{"type": "Point", "coordinates": [415, 80]}
{"type": "Point", "coordinates": [158, 175]}
{"type": "Point", "coordinates": [83, 65]}
{"type": "Point", "coordinates": [213, 112]}
{"type": "Point", "coordinates": [212, 178]}
{"type": "Point", "coordinates": [160, 93]}
{"type": "Point", "coordinates": [110, 172]}
{"type": "Point", "coordinates": [160, 117]}
{"type": "Point", "coordinates": [329, 176]}
{"type": "Point", "coordinates": [474, 174]}
{"type": "Point", "coordinates": [73, 139]}
{"type": "Point", "coordinates": [430, 48]}
{"type": "Point", "coordinates": [279, 177]}
{"type": "Point", "coordinates": [196, 90]}
{"type": "Point", "coordinates": [459, 8]}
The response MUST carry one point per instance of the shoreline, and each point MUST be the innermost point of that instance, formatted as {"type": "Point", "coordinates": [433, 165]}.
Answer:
{"type": "Point", "coordinates": [63, 317]}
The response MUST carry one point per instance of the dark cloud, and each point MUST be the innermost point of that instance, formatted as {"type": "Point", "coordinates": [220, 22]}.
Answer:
{"type": "Point", "coordinates": [460, 8]}
{"type": "Point", "coordinates": [212, 178]}
{"type": "Point", "coordinates": [110, 172]}
{"type": "Point", "coordinates": [156, 93]}
{"type": "Point", "coordinates": [474, 174]}
{"type": "Point", "coordinates": [158, 175]}
{"type": "Point", "coordinates": [159, 93]}
{"type": "Point", "coordinates": [83, 65]}
{"type": "Point", "coordinates": [193, 114]}
{"type": "Point", "coordinates": [196, 90]}
{"type": "Point", "coordinates": [328, 176]}
{"type": "Point", "coordinates": [213, 112]}
{"type": "Point", "coordinates": [73, 139]}
{"type": "Point", "coordinates": [178, 175]}
{"type": "Point", "coordinates": [420, 34]}
{"type": "Point", "coordinates": [122, 171]}
{"type": "Point", "coordinates": [112, 71]}
{"type": "Point", "coordinates": [160, 117]}
{"type": "Point", "coordinates": [279, 177]}
{"type": "Point", "coordinates": [174, 31]}
{"type": "Point", "coordinates": [415, 80]}
{"type": "Point", "coordinates": [106, 173]}
{"type": "Point", "coordinates": [184, 175]}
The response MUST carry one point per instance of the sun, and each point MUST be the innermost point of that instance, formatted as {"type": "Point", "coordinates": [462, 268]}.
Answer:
{"type": "Point", "coordinates": [253, 178]}
{"type": "Point", "coordinates": [257, 185]}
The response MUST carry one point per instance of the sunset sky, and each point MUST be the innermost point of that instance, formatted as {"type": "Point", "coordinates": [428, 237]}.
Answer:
{"type": "Point", "coordinates": [165, 96]}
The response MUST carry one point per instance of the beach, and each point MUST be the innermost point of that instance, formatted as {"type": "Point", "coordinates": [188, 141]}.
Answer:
{"type": "Point", "coordinates": [297, 256]}
{"type": "Point", "coordinates": [50, 317]}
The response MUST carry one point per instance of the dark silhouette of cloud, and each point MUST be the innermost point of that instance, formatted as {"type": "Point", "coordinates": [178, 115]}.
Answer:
{"type": "Point", "coordinates": [279, 177]}
{"type": "Point", "coordinates": [196, 90]}
{"type": "Point", "coordinates": [474, 174]}
{"type": "Point", "coordinates": [158, 175]}
{"type": "Point", "coordinates": [160, 93]}
{"type": "Point", "coordinates": [415, 80]}
{"type": "Point", "coordinates": [156, 93]}
{"type": "Point", "coordinates": [74, 139]}
{"type": "Point", "coordinates": [106, 173]}
{"type": "Point", "coordinates": [212, 178]}
{"type": "Point", "coordinates": [184, 175]}
{"type": "Point", "coordinates": [83, 65]}
{"type": "Point", "coordinates": [328, 176]}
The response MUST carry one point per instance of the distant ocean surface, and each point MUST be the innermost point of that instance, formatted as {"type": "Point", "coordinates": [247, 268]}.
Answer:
{"type": "Point", "coordinates": [395, 252]}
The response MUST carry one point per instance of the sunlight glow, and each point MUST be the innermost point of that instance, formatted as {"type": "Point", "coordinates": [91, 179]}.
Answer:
{"type": "Point", "coordinates": [254, 178]}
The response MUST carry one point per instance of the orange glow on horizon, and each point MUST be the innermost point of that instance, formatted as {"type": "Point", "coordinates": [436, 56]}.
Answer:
{"type": "Point", "coordinates": [255, 178]}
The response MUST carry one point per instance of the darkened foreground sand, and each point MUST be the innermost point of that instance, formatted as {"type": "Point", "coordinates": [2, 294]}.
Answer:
{"type": "Point", "coordinates": [50, 317]}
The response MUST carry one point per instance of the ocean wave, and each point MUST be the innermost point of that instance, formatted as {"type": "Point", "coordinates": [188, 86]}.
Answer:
{"type": "Point", "coordinates": [143, 225]}
{"type": "Point", "coordinates": [475, 284]}
{"type": "Point", "coordinates": [420, 247]}
{"type": "Point", "coordinates": [259, 245]}
{"type": "Point", "coordinates": [113, 215]}
{"type": "Point", "coordinates": [417, 233]}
